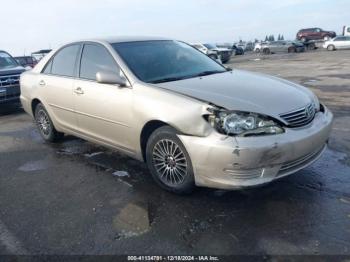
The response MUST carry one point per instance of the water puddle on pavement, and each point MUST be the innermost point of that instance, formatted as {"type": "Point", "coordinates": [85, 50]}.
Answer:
{"type": "Point", "coordinates": [133, 220]}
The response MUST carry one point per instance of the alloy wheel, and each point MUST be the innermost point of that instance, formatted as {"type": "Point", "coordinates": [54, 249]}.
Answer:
{"type": "Point", "coordinates": [44, 122]}
{"type": "Point", "coordinates": [170, 162]}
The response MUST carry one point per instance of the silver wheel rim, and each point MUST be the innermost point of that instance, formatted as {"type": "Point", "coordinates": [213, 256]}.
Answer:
{"type": "Point", "coordinates": [170, 162]}
{"type": "Point", "coordinates": [43, 122]}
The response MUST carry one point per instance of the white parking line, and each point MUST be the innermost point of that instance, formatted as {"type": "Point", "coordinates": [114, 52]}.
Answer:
{"type": "Point", "coordinates": [10, 242]}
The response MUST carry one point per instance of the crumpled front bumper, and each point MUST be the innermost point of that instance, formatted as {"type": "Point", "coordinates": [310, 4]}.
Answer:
{"type": "Point", "coordinates": [236, 162]}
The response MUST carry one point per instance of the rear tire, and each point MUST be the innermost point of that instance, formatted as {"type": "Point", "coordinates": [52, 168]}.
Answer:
{"type": "Point", "coordinates": [169, 162]}
{"type": "Point", "coordinates": [45, 125]}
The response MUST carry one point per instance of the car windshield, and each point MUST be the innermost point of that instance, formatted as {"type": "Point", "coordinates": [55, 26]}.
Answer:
{"type": "Point", "coordinates": [165, 60]}
{"type": "Point", "coordinates": [6, 61]}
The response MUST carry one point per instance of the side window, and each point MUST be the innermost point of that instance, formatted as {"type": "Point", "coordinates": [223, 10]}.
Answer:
{"type": "Point", "coordinates": [348, 30]}
{"type": "Point", "coordinates": [48, 67]}
{"type": "Point", "coordinates": [63, 63]}
{"type": "Point", "coordinates": [96, 58]}
{"type": "Point", "coordinates": [340, 39]}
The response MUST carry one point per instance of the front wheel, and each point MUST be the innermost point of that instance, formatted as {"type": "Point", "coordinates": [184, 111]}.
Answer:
{"type": "Point", "coordinates": [45, 125]}
{"type": "Point", "coordinates": [169, 162]}
{"type": "Point", "coordinates": [331, 48]}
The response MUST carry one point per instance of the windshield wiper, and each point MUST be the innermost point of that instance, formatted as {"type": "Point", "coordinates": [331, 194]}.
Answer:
{"type": "Point", "coordinates": [211, 72]}
{"type": "Point", "coordinates": [167, 79]}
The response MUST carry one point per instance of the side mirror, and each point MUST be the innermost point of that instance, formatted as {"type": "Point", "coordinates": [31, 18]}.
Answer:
{"type": "Point", "coordinates": [113, 78]}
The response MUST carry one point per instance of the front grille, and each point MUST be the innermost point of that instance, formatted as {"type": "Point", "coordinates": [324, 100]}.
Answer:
{"type": "Point", "coordinates": [300, 117]}
{"type": "Point", "coordinates": [300, 162]}
{"type": "Point", "coordinates": [9, 80]}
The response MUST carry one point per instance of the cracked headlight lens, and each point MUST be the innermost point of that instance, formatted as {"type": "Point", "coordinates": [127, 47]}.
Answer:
{"type": "Point", "coordinates": [244, 124]}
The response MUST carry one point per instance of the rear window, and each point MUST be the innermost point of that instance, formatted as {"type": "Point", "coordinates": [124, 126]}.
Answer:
{"type": "Point", "coordinates": [63, 63]}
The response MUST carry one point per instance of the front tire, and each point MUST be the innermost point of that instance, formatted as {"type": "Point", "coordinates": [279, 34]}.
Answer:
{"type": "Point", "coordinates": [331, 48]}
{"type": "Point", "coordinates": [169, 162]}
{"type": "Point", "coordinates": [45, 125]}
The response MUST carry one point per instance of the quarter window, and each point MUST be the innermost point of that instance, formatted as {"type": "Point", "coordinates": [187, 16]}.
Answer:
{"type": "Point", "coordinates": [95, 59]}
{"type": "Point", "coordinates": [63, 63]}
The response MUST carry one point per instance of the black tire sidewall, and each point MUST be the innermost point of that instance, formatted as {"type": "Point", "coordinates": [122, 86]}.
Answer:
{"type": "Point", "coordinates": [167, 132]}
{"type": "Point", "coordinates": [53, 134]}
{"type": "Point", "coordinates": [330, 48]}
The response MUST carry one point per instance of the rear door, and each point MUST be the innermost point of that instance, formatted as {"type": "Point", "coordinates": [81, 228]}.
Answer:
{"type": "Point", "coordinates": [104, 111]}
{"type": "Point", "coordinates": [56, 81]}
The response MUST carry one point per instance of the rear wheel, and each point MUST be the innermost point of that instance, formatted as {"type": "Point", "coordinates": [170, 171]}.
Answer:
{"type": "Point", "coordinates": [45, 125]}
{"type": "Point", "coordinates": [331, 48]}
{"type": "Point", "coordinates": [169, 162]}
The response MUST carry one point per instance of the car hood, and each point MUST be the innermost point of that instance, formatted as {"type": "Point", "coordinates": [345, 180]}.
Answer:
{"type": "Point", "coordinates": [245, 91]}
{"type": "Point", "coordinates": [11, 71]}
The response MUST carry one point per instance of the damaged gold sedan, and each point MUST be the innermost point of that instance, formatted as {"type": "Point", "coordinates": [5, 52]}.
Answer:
{"type": "Point", "coordinates": [192, 121]}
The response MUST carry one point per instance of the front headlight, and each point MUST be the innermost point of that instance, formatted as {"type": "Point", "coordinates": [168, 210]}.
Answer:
{"type": "Point", "coordinates": [243, 124]}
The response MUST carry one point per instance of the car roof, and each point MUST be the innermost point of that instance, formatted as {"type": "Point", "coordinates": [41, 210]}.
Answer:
{"type": "Point", "coordinates": [121, 39]}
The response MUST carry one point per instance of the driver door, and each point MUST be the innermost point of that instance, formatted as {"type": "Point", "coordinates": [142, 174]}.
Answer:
{"type": "Point", "coordinates": [104, 111]}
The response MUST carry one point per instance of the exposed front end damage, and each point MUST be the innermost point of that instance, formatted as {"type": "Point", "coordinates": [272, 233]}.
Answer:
{"type": "Point", "coordinates": [230, 162]}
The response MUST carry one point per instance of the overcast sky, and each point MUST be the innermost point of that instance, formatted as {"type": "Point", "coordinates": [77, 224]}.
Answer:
{"type": "Point", "coordinates": [29, 25]}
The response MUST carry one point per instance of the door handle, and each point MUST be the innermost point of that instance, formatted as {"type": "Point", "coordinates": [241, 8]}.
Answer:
{"type": "Point", "coordinates": [79, 91]}
{"type": "Point", "coordinates": [42, 83]}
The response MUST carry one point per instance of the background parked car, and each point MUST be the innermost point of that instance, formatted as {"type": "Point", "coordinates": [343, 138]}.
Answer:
{"type": "Point", "coordinates": [38, 55]}
{"type": "Point", "coordinates": [339, 42]}
{"type": "Point", "coordinates": [299, 46]}
{"type": "Point", "coordinates": [246, 46]}
{"type": "Point", "coordinates": [224, 53]}
{"type": "Point", "coordinates": [211, 53]}
{"type": "Point", "coordinates": [237, 50]}
{"type": "Point", "coordinates": [278, 47]}
{"type": "Point", "coordinates": [26, 61]}
{"type": "Point", "coordinates": [10, 72]}
{"type": "Point", "coordinates": [314, 34]}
